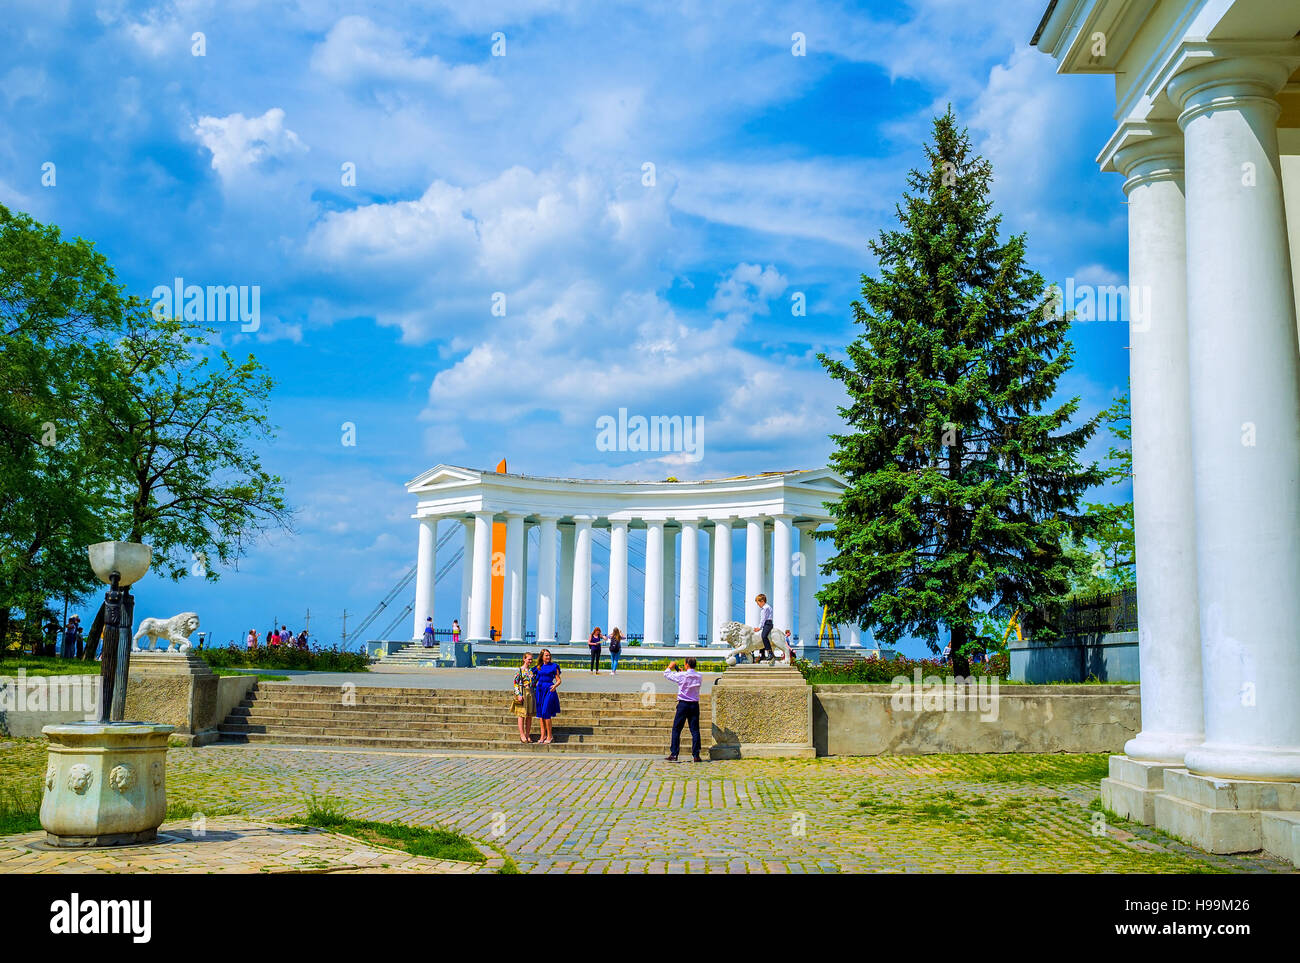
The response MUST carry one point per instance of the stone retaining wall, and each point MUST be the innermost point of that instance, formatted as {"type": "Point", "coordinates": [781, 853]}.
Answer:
{"type": "Point", "coordinates": [868, 720]}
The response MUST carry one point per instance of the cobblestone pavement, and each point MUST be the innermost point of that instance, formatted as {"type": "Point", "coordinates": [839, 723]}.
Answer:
{"type": "Point", "coordinates": [1021, 813]}
{"type": "Point", "coordinates": [226, 845]}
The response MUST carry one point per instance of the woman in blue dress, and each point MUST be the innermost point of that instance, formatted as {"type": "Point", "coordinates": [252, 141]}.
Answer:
{"type": "Point", "coordinates": [548, 701]}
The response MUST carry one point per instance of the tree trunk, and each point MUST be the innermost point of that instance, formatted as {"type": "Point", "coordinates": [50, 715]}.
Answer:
{"type": "Point", "coordinates": [4, 630]}
{"type": "Point", "coordinates": [960, 665]}
{"type": "Point", "coordinates": [95, 634]}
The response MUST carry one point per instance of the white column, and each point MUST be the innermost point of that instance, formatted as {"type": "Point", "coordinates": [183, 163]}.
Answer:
{"type": "Point", "coordinates": [768, 554]}
{"type": "Point", "coordinates": [688, 621]}
{"type": "Point", "coordinates": [466, 576]}
{"type": "Point", "coordinates": [512, 617]}
{"type": "Point", "coordinates": [653, 623]}
{"type": "Point", "coordinates": [426, 570]}
{"type": "Point", "coordinates": [1169, 631]}
{"type": "Point", "coordinates": [710, 621]}
{"type": "Point", "coordinates": [617, 576]}
{"type": "Point", "coordinates": [782, 576]}
{"type": "Point", "coordinates": [670, 584]}
{"type": "Point", "coordinates": [580, 619]}
{"type": "Point", "coordinates": [523, 606]}
{"type": "Point", "coordinates": [753, 567]}
{"type": "Point", "coordinates": [810, 616]}
{"type": "Point", "coordinates": [546, 581]}
{"type": "Point", "coordinates": [721, 577]}
{"type": "Point", "coordinates": [564, 604]}
{"type": "Point", "coordinates": [1245, 392]}
{"type": "Point", "coordinates": [480, 592]}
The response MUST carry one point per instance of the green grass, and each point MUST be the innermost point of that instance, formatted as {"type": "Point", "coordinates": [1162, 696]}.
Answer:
{"type": "Point", "coordinates": [181, 809]}
{"type": "Point", "coordinates": [260, 676]}
{"type": "Point", "coordinates": [42, 665]}
{"type": "Point", "coordinates": [326, 812]}
{"type": "Point", "coordinates": [20, 809]}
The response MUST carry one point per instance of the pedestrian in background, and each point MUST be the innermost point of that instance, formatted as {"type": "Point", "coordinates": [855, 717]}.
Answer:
{"type": "Point", "coordinates": [615, 649]}
{"type": "Point", "coordinates": [593, 646]}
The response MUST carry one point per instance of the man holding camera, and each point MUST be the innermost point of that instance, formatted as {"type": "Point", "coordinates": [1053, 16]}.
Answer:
{"type": "Point", "coordinates": [688, 708]}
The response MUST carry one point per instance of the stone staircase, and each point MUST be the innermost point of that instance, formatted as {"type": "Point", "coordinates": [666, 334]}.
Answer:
{"type": "Point", "coordinates": [413, 654]}
{"type": "Point", "coordinates": [452, 720]}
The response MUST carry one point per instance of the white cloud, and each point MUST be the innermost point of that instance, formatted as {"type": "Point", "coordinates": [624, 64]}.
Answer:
{"type": "Point", "coordinates": [531, 236]}
{"type": "Point", "coordinates": [747, 290]}
{"type": "Point", "coordinates": [238, 142]}
{"type": "Point", "coordinates": [356, 49]}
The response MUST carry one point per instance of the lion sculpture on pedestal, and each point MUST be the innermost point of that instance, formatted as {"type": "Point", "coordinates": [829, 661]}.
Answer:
{"type": "Point", "coordinates": [176, 630]}
{"type": "Point", "coordinates": [744, 640]}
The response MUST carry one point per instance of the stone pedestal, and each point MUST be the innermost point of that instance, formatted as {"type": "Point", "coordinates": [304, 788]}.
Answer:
{"type": "Point", "coordinates": [1231, 815]}
{"type": "Point", "coordinates": [179, 690]}
{"type": "Point", "coordinates": [761, 711]}
{"type": "Point", "coordinates": [1131, 789]}
{"type": "Point", "coordinates": [105, 783]}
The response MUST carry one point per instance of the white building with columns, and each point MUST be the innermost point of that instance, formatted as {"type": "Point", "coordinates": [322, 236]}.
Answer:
{"type": "Point", "coordinates": [682, 521]}
{"type": "Point", "coordinates": [1207, 137]}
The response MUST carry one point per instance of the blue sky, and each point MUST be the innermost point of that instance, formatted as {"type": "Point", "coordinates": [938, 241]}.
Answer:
{"type": "Point", "coordinates": [523, 174]}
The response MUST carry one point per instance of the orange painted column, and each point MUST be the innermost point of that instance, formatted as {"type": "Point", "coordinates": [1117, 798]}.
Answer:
{"type": "Point", "coordinates": [497, 609]}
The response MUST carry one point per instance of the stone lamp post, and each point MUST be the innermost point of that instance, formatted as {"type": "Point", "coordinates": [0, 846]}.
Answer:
{"type": "Point", "coordinates": [105, 783]}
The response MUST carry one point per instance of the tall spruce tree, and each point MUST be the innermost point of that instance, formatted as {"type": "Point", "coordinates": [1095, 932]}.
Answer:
{"type": "Point", "coordinates": [963, 478]}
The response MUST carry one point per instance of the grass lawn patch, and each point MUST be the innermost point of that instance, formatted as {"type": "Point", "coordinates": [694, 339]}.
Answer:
{"type": "Point", "coordinates": [20, 809]}
{"type": "Point", "coordinates": [324, 812]}
{"type": "Point", "coordinates": [260, 676]}
{"type": "Point", "coordinates": [43, 665]}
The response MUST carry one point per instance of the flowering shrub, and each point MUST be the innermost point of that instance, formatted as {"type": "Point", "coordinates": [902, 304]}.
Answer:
{"type": "Point", "coordinates": [876, 671]}
{"type": "Point", "coordinates": [315, 659]}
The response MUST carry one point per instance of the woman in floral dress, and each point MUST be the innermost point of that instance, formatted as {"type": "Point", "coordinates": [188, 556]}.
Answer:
{"type": "Point", "coordinates": [524, 705]}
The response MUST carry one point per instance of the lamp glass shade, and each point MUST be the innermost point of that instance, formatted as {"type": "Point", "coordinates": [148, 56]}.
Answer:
{"type": "Point", "coordinates": [130, 560]}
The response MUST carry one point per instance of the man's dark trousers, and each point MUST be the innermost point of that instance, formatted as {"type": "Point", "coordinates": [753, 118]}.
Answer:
{"type": "Point", "coordinates": [687, 712]}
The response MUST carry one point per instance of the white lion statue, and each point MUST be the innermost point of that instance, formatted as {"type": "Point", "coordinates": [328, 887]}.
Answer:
{"type": "Point", "coordinates": [744, 640]}
{"type": "Point", "coordinates": [176, 630]}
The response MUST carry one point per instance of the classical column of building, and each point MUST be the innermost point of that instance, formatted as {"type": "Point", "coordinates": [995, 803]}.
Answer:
{"type": "Point", "coordinates": [513, 608]}
{"type": "Point", "coordinates": [670, 584]}
{"type": "Point", "coordinates": [653, 621]}
{"type": "Point", "coordinates": [564, 604]}
{"type": "Point", "coordinates": [466, 575]}
{"type": "Point", "coordinates": [617, 576]}
{"type": "Point", "coordinates": [809, 611]}
{"type": "Point", "coordinates": [527, 553]}
{"type": "Point", "coordinates": [426, 570]}
{"type": "Point", "coordinates": [688, 622]}
{"type": "Point", "coordinates": [706, 545]}
{"type": "Point", "coordinates": [1245, 402]}
{"type": "Point", "coordinates": [1169, 634]}
{"type": "Point", "coordinates": [753, 566]}
{"type": "Point", "coordinates": [782, 575]}
{"type": "Point", "coordinates": [721, 553]}
{"type": "Point", "coordinates": [480, 592]}
{"type": "Point", "coordinates": [546, 580]}
{"type": "Point", "coordinates": [580, 621]}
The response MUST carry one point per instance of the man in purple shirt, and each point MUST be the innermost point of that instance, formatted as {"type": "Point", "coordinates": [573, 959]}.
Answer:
{"type": "Point", "coordinates": [688, 708]}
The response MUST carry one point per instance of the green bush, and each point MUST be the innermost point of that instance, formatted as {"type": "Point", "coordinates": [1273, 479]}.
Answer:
{"type": "Point", "coordinates": [874, 671]}
{"type": "Point", "coordinates": [286, 657]}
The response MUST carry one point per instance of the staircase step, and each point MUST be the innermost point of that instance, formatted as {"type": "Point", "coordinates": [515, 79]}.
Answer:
{"type": "Point", "coordinates": [460, 719]}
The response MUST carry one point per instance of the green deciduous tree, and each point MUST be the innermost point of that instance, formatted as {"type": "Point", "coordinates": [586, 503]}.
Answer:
{"type": "Point", "coordinates": [58, 302]}
{"type": "Point", "coordinates": [963, 476]}
{"type": "Point", "coordinates": [116, 424]}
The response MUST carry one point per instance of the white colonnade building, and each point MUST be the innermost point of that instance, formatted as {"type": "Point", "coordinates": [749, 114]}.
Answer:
{"type": "Point", "coordinates": [1208, 141]}
{"type": "Point", "coordinates": [683, 521]}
